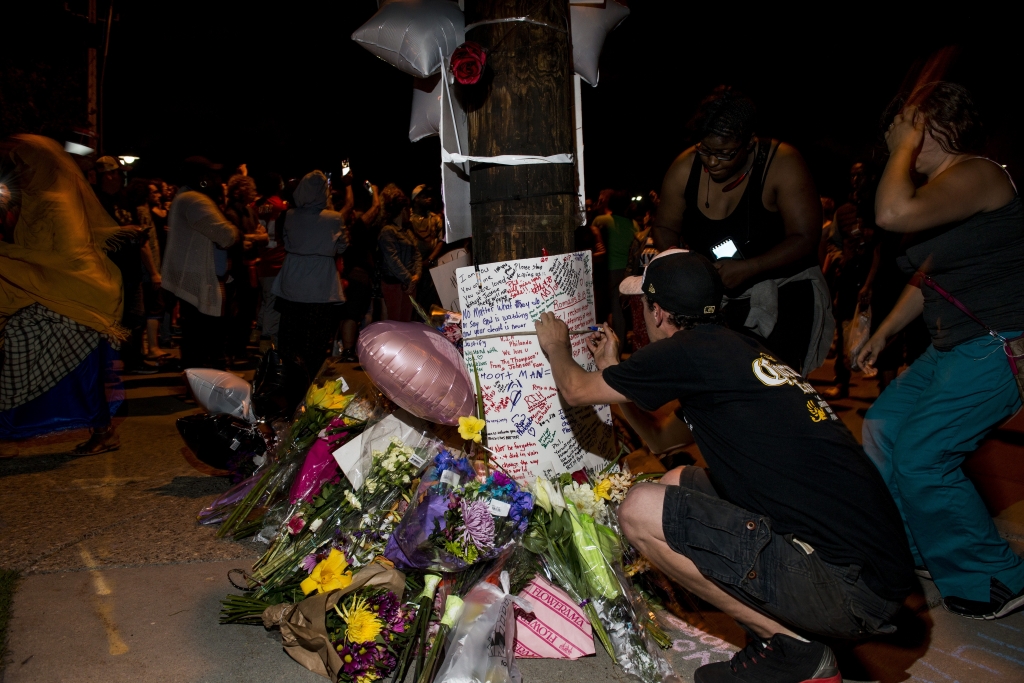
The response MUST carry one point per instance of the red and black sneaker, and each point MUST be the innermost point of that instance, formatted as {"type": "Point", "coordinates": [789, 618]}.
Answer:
{"type": "Point", "coordinates": [780, 660]}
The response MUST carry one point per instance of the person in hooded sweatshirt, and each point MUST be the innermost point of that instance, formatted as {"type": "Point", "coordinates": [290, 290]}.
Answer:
{"type": "Point", "coordinates": [308, 288]}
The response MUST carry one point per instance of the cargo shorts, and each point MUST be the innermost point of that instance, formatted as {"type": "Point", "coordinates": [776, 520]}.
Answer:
{"type": "Point", "coordinates": [777, 575]}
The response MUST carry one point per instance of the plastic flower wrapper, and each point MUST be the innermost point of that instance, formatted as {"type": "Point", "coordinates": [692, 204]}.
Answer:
{"type": "Point", "coordinates": [456, 520]}
{"type": "Point", "coordinates": [451, 594]}
{"type": "Point", "coordinates": [483, 644]}
{"type": "Point", "coordinates": [364, 624]}
{"type": "Point", "coordinates": [325, 403]}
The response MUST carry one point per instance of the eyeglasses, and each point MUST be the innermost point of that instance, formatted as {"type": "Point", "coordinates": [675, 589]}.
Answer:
{"type": "Point", "coordinates": [729, 156]}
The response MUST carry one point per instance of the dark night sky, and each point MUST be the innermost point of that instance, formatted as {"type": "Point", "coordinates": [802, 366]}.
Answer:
{"type": "Point", "coordinates": [286, 89]}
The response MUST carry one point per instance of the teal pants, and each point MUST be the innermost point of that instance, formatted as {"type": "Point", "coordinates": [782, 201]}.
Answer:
{"type": "Point", "coordinates": [918, 433]}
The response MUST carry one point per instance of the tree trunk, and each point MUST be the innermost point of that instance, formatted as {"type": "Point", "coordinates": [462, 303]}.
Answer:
{"type": "Point", "coordinates": [524, 104]}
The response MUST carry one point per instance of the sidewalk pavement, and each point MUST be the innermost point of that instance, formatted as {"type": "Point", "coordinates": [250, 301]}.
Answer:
{"type": "Point", "coordinates": [121, 584]}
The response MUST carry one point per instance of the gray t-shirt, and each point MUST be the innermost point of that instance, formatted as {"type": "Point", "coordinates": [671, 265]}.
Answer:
{"type": "Point", "coordinates": [980, 261]}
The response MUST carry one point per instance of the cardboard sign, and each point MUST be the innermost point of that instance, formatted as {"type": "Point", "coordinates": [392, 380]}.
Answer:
{"type": "Point", "coordinates": [444, 277]}
{"type": "Point", "coordinates": [529, 429]}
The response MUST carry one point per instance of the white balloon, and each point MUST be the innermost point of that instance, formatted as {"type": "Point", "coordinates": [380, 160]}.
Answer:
{"type": "Point", "coordinates": [426, 108]}
{"type": "Point", "coordinates": [590, 26]}
{"type": "Point", "coordinates": [414, 35]}
{"type": "Point", "coordinates": [221, 392]}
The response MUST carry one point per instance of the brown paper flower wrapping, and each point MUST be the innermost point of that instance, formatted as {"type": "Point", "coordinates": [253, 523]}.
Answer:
{"type": "Point", "coordinates": [304, 625]}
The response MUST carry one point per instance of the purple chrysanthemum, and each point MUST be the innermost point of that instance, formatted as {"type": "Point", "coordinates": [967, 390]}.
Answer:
{"type": "Point", "coordinates": [479, 524]}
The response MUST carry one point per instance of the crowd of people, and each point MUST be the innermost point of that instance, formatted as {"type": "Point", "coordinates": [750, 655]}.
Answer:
{"type": "Point", "coordinates": [728, 287]}
{"type": "Point", "coordinates": [229, 261]}
{"type": "Point", "coordinates": [795, 529]}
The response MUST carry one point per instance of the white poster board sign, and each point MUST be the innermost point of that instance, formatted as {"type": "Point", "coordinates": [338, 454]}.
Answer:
{"type": "Point", "coordinates": [443, 275]}
{"type": "Point", "coordinates": [529, 429]}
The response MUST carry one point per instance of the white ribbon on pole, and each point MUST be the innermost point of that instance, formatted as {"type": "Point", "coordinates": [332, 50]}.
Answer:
{"type": "Point", "coordinates": [507, 159]}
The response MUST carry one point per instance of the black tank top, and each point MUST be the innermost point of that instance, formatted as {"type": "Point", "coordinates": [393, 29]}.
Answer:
{"type": "Point", "coordinates": [753, 228]}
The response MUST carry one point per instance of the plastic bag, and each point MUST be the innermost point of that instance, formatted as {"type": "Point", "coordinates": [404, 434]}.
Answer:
{"type": "Point", "coordinates": [223, 442]}
{"type": "Point", "coordinates": [221, 393]}
{"type": "Point", "coordinates": [482, 647]}
{"type": "Point", "coordinates": [856, 335]}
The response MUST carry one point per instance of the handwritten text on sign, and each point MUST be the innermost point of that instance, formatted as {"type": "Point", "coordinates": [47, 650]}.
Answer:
{"type": "Point", "coordinates": [529, 429]}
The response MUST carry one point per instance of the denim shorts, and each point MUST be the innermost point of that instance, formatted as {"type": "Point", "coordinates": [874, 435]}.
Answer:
{"type": "Point", "coordinates": [779, 576]}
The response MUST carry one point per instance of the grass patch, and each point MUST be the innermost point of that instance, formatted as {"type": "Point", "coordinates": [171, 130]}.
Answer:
{"type": "Point", "coordinates": [8, 582]}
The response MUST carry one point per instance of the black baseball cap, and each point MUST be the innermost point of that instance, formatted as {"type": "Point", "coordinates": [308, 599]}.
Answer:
{"type": "Point", "coordinates": [680, 281]}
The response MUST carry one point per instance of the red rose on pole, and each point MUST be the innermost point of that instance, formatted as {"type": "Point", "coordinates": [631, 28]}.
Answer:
{"type": "Point", "coordinates": [468, 62]}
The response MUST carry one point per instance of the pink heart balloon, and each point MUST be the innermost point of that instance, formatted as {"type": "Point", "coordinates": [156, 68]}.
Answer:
{"type": "Point", "coordinates": [417, 368]}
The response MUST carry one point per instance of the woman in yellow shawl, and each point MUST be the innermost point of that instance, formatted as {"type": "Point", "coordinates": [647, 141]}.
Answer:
{"type": "Point", "coordinates": [56, 261]}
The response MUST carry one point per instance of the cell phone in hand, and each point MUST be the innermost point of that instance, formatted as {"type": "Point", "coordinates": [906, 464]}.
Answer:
{"type": "Point", "coordinates": [346, 168]}
{"type": "Point", "coordinates": [726, 249]}
{"type": "Point", "coordinates": [369, 187]}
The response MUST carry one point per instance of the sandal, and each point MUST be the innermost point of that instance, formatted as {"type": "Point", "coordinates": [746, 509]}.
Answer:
{"type": "Point", "coordinates": [99, 442]}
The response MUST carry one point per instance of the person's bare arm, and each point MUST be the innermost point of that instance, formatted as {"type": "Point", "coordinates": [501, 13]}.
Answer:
{"type": "Point", "coordinates": [370, 214]}
{"type": "Point", "coordinates": [668, 223]}
{"type": "Point", "coordinates": [350, 203]}
{"type": "Point", "coordinates": [577, 386]}
{"type": "Point", "coordinates": [790, 188]}
{"type": "Point", "coordinates": [962, 190]}
{"type": "Point", "coordinates": [909, 306]}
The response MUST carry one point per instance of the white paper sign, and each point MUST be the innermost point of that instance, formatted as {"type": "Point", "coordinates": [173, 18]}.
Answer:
{"type": "Point", "coordinates": [498, 508]}
{"type": "Point", "coordinates": [529, 429]}
{"type": "Point", "coordinates": [444, 277]}
{"type": "Point", "coordinates": [347, 458]}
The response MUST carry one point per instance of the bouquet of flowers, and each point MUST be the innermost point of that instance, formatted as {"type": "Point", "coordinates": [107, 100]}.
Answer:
{"type": "Point", "coordinates": [459, 517]}
{"type": "Point", "coordinates": [325, 406]}
{"type": "Point", "coordinates": [577, 536]}
{"type": "Point", "coordinates": [357, 524]}
{"type": "Point", "coordinates": [360, 615]}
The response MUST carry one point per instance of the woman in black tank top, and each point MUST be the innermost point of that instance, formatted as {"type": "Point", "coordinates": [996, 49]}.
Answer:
{"type": "Point", "coordinates": [713, 201]}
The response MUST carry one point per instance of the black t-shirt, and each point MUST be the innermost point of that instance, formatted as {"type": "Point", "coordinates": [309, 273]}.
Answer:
{"type": "Point", "coordinates": [775, 448]}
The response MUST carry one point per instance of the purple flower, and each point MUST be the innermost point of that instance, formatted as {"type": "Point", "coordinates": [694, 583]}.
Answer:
{"type": "Point", "coordinates": [500, 479]}
{"type": "Point", "coordinates": [309, 563]}
{"type": "Point", "coordinates": [479, 524]}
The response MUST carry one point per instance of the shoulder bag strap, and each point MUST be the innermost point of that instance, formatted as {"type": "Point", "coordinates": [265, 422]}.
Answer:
{"type": "Point", "coordinates": [959, 304]}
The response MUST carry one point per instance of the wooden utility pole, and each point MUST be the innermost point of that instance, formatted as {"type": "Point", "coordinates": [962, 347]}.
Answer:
{"type": "Point", "coordinates": [523, 105]}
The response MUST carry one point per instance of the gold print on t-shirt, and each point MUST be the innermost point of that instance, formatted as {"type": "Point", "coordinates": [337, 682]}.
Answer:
{"type": "Point", "coordinates": [818, 413]}
{"type": "Point", "coordinates": [772, 373]}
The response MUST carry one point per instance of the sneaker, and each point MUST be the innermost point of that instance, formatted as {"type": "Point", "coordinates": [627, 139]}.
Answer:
{"type": "Point", "coordinates": [1003, 601]}
{"type": "Point", "coordinates": [780, 660]}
